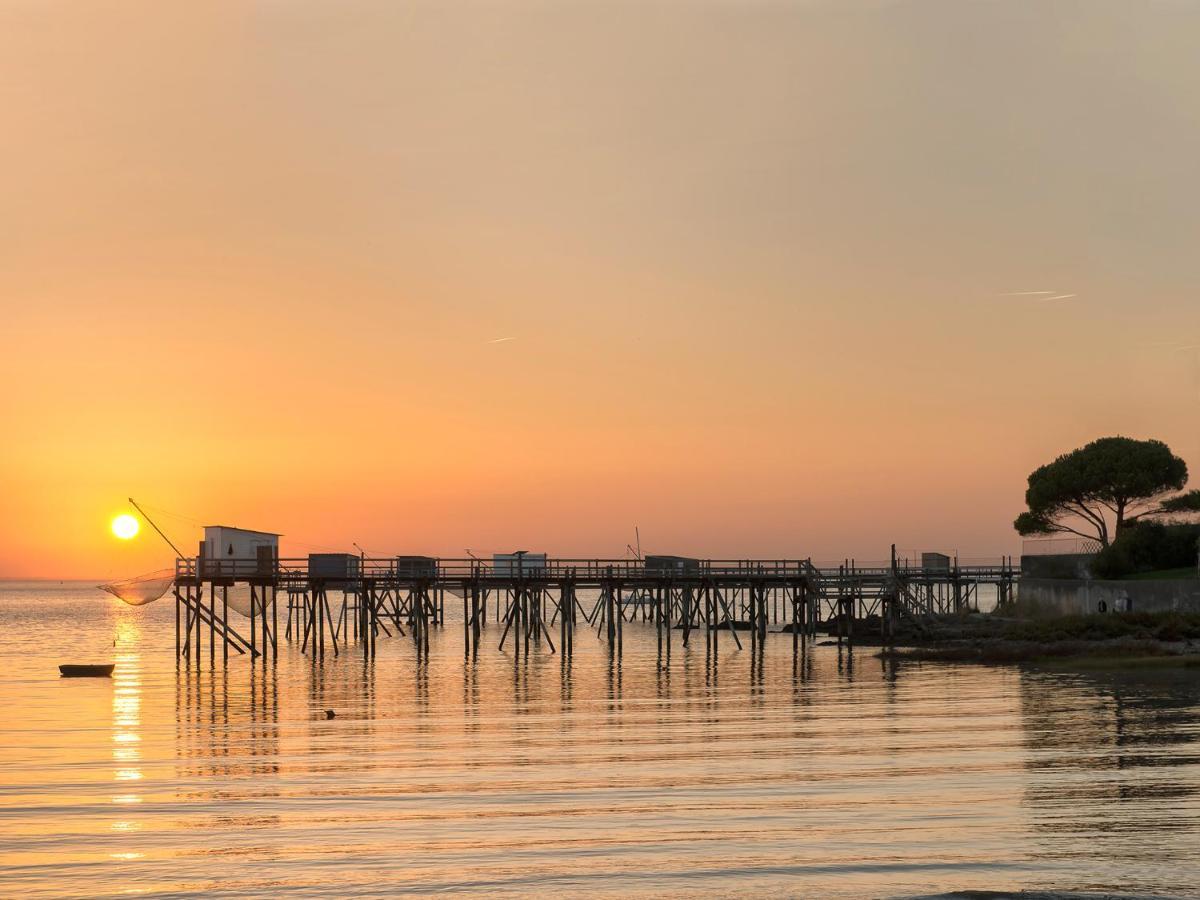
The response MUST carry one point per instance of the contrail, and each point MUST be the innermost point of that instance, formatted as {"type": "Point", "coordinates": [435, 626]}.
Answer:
{"type": "Point", "coordinates": [1040, 296]}
{"type": "Point", "coordinates": [499, 340]}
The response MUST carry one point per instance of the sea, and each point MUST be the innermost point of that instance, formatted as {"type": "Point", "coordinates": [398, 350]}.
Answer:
{"type": "Point", "coordinates": [834, 774]}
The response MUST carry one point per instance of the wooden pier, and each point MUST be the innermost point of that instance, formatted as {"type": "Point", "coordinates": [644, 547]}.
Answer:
{"type": "Point", "coordinates": [543, 602]}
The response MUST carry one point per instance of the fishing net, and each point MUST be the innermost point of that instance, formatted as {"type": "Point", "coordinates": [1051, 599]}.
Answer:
{"type": "Point", "coordinates": [240, 600]}
{"type": "Point", "coordinates": [143, 589]}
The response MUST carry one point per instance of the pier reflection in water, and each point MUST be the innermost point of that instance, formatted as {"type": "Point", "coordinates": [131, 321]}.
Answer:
{"type": "Point", "coordinates": [1113, 760]}
{"type": "Point", "coordinates": [838, 776]}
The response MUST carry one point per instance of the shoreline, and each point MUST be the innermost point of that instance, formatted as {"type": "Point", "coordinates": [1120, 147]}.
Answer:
{"type": "Point", "coordinates": [1100, 640]}
{"type": "Point", "coordinates": [1065, 654]}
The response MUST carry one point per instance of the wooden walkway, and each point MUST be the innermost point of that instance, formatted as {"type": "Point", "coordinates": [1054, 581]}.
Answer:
{"type": "Point", "coordinates": [542, 602]}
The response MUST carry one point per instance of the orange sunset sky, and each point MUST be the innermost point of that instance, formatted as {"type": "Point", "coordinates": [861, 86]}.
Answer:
{"type": "Point", "coordinates": [429, 276]}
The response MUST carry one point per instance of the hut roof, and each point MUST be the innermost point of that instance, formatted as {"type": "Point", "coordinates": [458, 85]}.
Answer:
{"type": "Point", "coordinates": [244, 530]}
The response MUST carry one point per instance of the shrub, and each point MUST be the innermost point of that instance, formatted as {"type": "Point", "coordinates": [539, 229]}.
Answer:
{"type": "Point", "coordinates": [1148, 547]}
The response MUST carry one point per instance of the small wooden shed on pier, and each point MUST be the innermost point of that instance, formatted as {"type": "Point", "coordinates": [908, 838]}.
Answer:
{"type": "Point", "coordinates": [671, 565]}
{"type": "Point", "coordinates": [416, 567]}
{"type": "Point", "coordinates": [518, 562]}
{"type": "Point", "coordinates": [935, 562]}
{"type": "Point", "coordinates": [337, 570]}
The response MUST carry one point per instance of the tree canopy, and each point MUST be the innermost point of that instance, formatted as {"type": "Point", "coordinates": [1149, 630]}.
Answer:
{"type": "Point", "coordinates": [1115, 479]}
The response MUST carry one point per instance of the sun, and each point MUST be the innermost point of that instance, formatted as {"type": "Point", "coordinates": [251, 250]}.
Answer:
{"type": "Point", "coordinates": [125, 526]}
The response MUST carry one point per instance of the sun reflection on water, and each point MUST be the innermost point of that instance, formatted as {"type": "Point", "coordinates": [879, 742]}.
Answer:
{"type": "Point", "coordinates": [126, 728]}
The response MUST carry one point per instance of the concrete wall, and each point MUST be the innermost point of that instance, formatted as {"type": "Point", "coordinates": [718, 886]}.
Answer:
{"type": "Point", "coordinates": [1077, 596]}
{"type": "Point", "coordinates": [1065, 565]}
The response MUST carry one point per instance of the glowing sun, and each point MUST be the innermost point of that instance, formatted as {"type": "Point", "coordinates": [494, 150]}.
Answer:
{"type": "Point", "coordinates": [125, 526]}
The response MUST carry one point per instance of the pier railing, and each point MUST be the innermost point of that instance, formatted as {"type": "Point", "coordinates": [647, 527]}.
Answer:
{"type": "Point", "coordinates": [439, 568]}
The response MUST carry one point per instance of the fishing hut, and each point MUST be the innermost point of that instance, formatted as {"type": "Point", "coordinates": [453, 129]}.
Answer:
{"type": "Point", "coordinates": [521, 597]}
{"type": "Point", "coordinates": [229, 551]}
{"type": "Point", "coordinates": [338, 570]}
{"type": "Point", "coordinates": [671, 565]}
{"type": "Point", "coordinates": [416, 567]}
{"type": "Point", "coordinates": [517, 563]}
{"type": "Point", "coordinates": [935, 562]}
{"type": "Point", "coordinates": [241, 559]}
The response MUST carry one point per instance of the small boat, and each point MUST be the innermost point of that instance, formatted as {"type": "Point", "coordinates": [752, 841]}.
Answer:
{"type": "Point", "coordinates": [99, 670]}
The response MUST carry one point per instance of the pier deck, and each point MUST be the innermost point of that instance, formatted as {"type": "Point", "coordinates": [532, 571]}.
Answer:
{"type": "Point", "coordinates": [542, 601]}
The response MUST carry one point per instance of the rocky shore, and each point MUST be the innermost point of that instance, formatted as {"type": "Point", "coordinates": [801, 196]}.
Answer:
{"type": "Point", "coordinates": [1130, 639]}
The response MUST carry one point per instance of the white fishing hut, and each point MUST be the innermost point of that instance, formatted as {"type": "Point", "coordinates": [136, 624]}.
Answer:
{"type": "Point", "coordinates": [518, 562]}
{"type": "Point", "coordinates": [238, 551]}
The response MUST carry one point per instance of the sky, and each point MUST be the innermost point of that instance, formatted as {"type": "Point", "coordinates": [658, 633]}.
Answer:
{"type": "Point", "coordinates": [754, 277]}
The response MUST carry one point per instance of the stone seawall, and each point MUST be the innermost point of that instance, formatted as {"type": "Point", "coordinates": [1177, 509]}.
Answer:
{"type": "Point", "coordinates": [1070, 565]}
{"type": "Point", "coordinates": [1071, 596]}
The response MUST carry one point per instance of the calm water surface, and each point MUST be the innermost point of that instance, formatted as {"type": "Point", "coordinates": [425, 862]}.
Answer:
{"type": "Point", "coordinates": [840, 778]}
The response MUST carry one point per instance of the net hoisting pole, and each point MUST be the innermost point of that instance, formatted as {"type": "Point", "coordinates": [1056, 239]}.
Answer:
{"type": "Point", "coordinates": [133, 503]}
{"type": "Point", "coordinates": [178, 555]}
